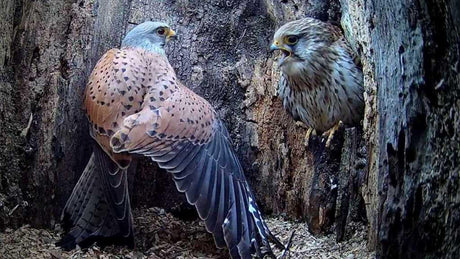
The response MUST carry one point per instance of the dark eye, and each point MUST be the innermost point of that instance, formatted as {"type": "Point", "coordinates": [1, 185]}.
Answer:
{"type": "Point", "coordinates": [291, 40]}
{"type": "Point", "coordinates": [161, 31]}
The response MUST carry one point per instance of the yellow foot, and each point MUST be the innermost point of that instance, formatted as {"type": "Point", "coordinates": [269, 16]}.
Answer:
{"type": "Point", "coordinates": [330, 133]}
{"type": "Point", "coordinates": [310, 131]}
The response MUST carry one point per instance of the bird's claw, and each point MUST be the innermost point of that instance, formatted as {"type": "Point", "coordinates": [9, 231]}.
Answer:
{"type": "Point", "coordinates": [310, 132]}
{"type": "Point", "coordinates": [330, 133]}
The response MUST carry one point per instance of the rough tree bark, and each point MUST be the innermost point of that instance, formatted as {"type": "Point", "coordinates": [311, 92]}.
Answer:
{"type": "Point", "coordinates": [50, 47]}
{"type": "Point", "coordinates": [409, 53]}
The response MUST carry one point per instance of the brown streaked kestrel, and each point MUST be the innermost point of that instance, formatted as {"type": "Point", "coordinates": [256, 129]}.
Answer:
{"type": "Point", "coordinates": [321, 82]}
{"type": "Point", "coordinates": [136, 105]}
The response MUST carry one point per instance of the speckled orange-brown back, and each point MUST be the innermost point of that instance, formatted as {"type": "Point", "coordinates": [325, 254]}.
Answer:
{"type": "Point", "coordinates": [134, 82]}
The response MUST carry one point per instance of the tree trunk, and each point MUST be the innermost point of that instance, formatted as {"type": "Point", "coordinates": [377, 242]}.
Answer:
{"type": "Point", "coordinates": [49, 49]}
{"type": "Point", "coordinates": [403, 171]}
{"type": "Point", "coordinates": [410, 53]}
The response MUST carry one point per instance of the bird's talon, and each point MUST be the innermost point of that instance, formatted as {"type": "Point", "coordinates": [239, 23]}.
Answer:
{"type": "Point", "coordinates": [329, 140]}
{"type": "Point", "coordinates": [331, 132]}
{"type": "Point", "coordinates": [303, 89]}
{"type": "Point", "coordinates": [310, 132]}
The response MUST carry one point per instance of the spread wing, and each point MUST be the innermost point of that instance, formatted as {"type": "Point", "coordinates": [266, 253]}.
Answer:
{"type": "Point", "coordinates": [184, 136]}
{"type": "Point", "coordinates": [136, 106]}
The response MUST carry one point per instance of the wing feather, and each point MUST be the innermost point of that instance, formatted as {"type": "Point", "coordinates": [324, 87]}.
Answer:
{"type": "Point", "coordinates": [180, 131]}
{"type": "Point", "coordinates": [209, 173]}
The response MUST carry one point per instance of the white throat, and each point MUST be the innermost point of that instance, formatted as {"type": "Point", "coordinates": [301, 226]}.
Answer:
{"type": "Point", "coordinates": [293, 68]}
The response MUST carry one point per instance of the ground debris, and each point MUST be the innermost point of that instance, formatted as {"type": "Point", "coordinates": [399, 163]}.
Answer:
{"type": "Point", "coordinates": [161, 235]}
{"type": "Point", "coordinates": [305, 245]}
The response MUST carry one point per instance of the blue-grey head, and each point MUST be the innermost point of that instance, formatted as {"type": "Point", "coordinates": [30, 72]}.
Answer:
{"type": "Point", "coordinates": [151, 36]}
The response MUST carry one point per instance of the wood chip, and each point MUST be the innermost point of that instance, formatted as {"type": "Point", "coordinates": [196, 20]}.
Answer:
{"type": "Point", "coordinates": [161, 235]}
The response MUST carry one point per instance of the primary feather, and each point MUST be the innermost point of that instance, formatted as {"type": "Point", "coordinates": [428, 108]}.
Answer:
{"type": "Point", "coordinates": [136, 105]}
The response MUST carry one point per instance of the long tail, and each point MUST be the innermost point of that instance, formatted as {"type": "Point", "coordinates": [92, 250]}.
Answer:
{"type": "Point", "coordinates": [98, 208]}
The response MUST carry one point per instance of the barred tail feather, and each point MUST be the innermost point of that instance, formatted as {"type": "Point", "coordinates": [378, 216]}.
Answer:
{"type": "Point", "coordinates": [99, 207]}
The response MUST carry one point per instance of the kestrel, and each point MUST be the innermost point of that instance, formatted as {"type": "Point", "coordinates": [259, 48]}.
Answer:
{"type": "Point", "coordinates": [321, 82]}
{"type": "Point", "coordinates": [136, 105]}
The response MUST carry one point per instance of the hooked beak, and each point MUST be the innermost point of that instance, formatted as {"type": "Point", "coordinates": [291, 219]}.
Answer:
{"type": "Point", "coordinates": [171, 34]}
{"type": "Point", "coordinates": [276, 46]}
{"type": "Point", "coordinates": [285, 50]}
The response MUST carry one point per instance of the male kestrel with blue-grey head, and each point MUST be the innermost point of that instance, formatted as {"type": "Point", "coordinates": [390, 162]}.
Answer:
{"type": "Point", "coordinates": [136, 105]}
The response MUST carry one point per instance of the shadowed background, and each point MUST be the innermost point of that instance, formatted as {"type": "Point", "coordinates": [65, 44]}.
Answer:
{"type": "Point", "coordinates": [409, 185]}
